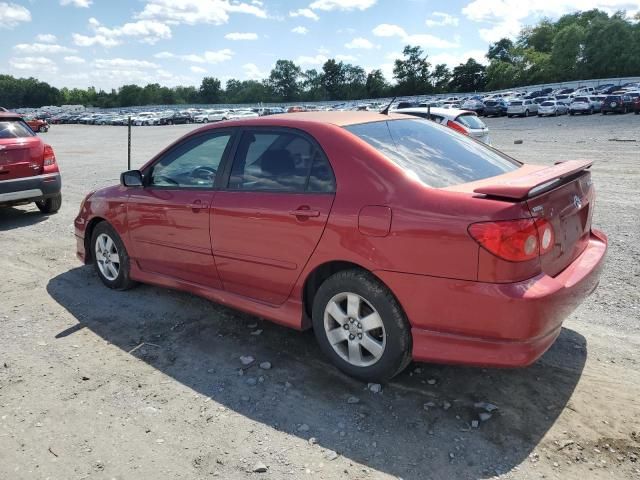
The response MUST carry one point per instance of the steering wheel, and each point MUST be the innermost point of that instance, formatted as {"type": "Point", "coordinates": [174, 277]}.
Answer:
{"type": "Point", "coordinates": [204, 173]}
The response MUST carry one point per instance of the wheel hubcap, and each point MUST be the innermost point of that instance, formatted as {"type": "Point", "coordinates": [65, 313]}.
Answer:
{"type": "Point", "coordinates": [354, 329]}
{"type": "Point", "coordinates": [107, 257]}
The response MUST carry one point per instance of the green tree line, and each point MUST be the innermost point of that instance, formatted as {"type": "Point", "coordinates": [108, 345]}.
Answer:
{"type": "Point", "coordinates": [582, 45]}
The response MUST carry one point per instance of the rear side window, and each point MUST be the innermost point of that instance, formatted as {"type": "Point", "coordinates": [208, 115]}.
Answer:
{"type": "Point", "coordinates": [280, 161]}
{"type": "Point", "coordinates": [516, 103]}
{"type": "Point", "coordinates": [548, 104]}
{"type": "Point", "coordinates": [471, 121]}
{"type": "Point", "coordinates": [15, 129]}
{"type": "Point", "coordinates": [581, 99]}
{"type": "Point", "coordinates": [436, 155]}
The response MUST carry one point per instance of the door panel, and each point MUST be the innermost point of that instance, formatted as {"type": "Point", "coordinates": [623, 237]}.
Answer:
{"type": "Point", "coordinates": [169, 231]}
{"type": "Point", "coordinates": [262, 241]}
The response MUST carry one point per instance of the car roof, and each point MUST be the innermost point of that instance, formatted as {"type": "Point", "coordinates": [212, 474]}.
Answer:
{"type": "Point", "coordinates": [339, 119]}
{"type": "Point", "coordinates": [445, 112]}
{"type": "Point", "coordinates": [10, 116]}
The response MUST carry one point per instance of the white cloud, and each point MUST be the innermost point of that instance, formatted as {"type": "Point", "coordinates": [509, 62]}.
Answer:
{"type": "Point", "coordinates": [119, 63]}
{"type": "Point", "coordinates": [45, 48]}
{"type": "Point", "coordinates": [241, 36]}
{"type": "Point", "coordinates": [454, 59]}
{"type": "Point", "coordinates": [346, 58]}
{"type": "Point", "coordinates": [507, 16]}
{"type": "Point", "coordinates": [73, 60]}
{"type": "Point", "coordinates": [206, 57]}
{"type": "Point", "coordinates": [196, 69]}
{"type": "Point", "coordinates": [300, 30]}
{"type": "Point", "coordinates": [46, 38]}
{"type": "Point", "coordinates": [12, 14]}
{"type": "Point", "coordinates": [441, 19]}
{"type": "Point", "coordinates": [76, 3]}
{"type": "Point", "coordinates": [164, 55]}
{"type": "Point", "coordinates": [319, 59]}
{"type": "Point", "coordinates": [359, 42]}
{"type": "Point", "coordinates": [328, 5]}
{"type": "Point", "coordinates": [33, 64]}
{"type": "Point", "coordinates": [304, 12]}
{"type": "Point", "coordinates": [253, 72]}
{"type": "Point", "coordinates": [192, 12]}
{"type": "Point", "coordinates": [422, 39]}
{"type": "Point", "coordinates": [146, 31]}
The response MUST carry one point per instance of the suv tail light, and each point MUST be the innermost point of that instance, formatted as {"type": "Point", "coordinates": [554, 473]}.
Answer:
{"type": "Point", "coordinates": [49, 160]}
{"type": "Point", "coordinates": [515, 240]}
{"type": "Point", "coordinates": [457, 127]}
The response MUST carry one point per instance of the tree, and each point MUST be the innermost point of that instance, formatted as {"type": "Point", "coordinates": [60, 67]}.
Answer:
{"type": "Point", "coordinates": [501, 50]}
{"type": "Point", "coordinates": [333, 78]}
{"type": "Point", "coordinates": [468, 77]}
{"type": "Point", "coordinates": [210, 90]}
{"type": "Point", "coordinates": [284, 80]}
{"type": "Point", "coordinates": [312, 85]}
{"type": "Point", "coordinates": [376, 85]}
{"type": "Point", "coordinates": [412, 72]}
{"type": "Point", "coordinates": [566, 53]}
{"type": "Point", "coordinates": [440, 77]}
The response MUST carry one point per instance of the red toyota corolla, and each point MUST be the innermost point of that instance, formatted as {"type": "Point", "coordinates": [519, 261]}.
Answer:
{"type": "Point", "coordinates": [393, 237]}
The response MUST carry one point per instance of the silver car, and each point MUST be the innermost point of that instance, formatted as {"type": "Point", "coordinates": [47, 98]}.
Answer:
{"type": "Point", "coordinates": [551, 107]}
{"type": "Point", "coordinates": [522, 108]}
{"type": "Point", "coordinates": [581, 105]}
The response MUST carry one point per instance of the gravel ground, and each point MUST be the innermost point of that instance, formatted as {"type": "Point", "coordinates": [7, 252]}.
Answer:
{"type": "Point", "coordinates": [148, 383]}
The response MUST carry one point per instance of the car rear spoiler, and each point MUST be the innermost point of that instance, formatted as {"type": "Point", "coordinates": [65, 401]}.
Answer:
{"type": "Point", "coordinates": [532, 184]}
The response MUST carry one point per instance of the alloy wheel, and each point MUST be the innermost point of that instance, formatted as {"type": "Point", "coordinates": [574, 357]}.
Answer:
{"type": "Point", "coordinates": [107, 257]}
{"type": "Point", "coordinates": [354, 329]}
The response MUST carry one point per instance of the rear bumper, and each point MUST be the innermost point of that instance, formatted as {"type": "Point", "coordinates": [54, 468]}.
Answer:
{"type": "Point", "coordinates": [29, 189]}
{"type": "Point", "coordinates": [500, 325]}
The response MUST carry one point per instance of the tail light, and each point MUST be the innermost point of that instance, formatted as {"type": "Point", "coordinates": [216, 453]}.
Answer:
{"type": "Point", "coordinates": [515, 240]}
{"type": "Point", "coordinates": [457, 127]}
{"type": "Point", "coordinates": [49, 160]}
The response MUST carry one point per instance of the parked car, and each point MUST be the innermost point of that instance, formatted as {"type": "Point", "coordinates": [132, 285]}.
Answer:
{"type": "Point", "coordinates": [551, 107]}
{"type": "Point", "coordinates": [617, 104]}
{"type": "Point", "coordinates": [565, 98]}
{"type": "Point", "coordinates": [582, 105]}
{"type": "Point", "coordinates": [495, 108]}
{"type": "Point", "coordinates": [522, 108]}
{"type": "Point", "coordinates": [37, 125]}
{"type": "Point", "coordinates": [304, 236]}
{"type": "Point", "coordinates": [473, 105]}
{"type": "Point", "coordinates": [28, 169]}
{"type": "Point", "coordinates": [175, 118]}
{"type": "Point", "coordinates": [462, 121]}
{"type": "Point", "coordinates": [296, 109]}
{"type": "Point", "coordinates": [597, 100]}
{"type": "Point", "coordinates": [636, 105]}
{"type": "Point", "coordinates": [239, 114]}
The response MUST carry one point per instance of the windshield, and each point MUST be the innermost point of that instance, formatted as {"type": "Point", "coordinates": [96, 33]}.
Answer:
{"type": "Point", "coordinates": [516, 103]}
{"type": "Point", "coordinates": [470, 120]}
{"type": "Point", "coordinates": [436, 155]}
{"type": "Point", "coordinates": [15, 129]}
{"type": "Point", "coordinates": [581, 99]}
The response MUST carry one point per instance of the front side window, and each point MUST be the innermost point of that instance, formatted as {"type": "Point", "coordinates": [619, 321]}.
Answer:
{"type": "Point", "coordinates": [280, 161]}
{"type": "Point", "coordinates": [194, 164]}
{"type": "Point", "coordinates": [437, 156]}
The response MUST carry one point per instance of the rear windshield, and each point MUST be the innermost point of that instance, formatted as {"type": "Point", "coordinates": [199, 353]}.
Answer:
{"type": "Point", "coordinates": [613, 97]}
{"type": "Point", "coordinates": [471, 121]}
{"type": "Point", "coordinates": [15, 129]}
{"type": "Point", "coordinates": [490, 103]}
{"type": "Point", "coordinates": [516, 103]}
{"type": "Point", "coordinates": [581, 99]}
{"type": "Point", "coordinates": [436, 155]}
{"type": "Point", "coordinates": [547, 104]}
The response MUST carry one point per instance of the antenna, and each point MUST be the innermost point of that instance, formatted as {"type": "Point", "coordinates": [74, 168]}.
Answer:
{"type": "Point", "coordinates": [385, 110]}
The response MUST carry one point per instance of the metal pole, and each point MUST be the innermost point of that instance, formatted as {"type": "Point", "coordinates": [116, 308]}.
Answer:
{"type": "Point", "coordinates": [429, 111]}
{"type": "Point", "coordinates": [129, 144]}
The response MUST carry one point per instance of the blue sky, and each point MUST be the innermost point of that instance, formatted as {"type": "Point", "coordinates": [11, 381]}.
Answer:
{"type": "Point", "coordinates": [107, 43]}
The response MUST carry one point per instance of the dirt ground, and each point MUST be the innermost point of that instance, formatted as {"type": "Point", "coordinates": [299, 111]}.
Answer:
{"type": "Point", "coordinates": [147, 384]}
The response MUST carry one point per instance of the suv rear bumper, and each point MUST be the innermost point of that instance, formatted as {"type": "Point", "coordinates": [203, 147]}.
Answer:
{"type": "Point", "coordinates": [29, 189]}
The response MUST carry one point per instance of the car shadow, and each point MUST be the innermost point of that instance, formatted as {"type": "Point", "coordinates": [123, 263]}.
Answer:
{"type": "Point", "coordinates": [423, 421]}
{"type": "Point", "coordinates": [11, 218]}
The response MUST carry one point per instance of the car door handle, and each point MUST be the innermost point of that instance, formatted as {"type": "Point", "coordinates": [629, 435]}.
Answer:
{"type": "Point", "coordinates": [304, 212]}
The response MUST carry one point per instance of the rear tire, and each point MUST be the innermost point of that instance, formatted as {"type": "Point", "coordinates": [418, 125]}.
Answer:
{"type": "Point", "coordinates": [110, 258]}
{"type": "Point", "coordinates": [360, 326]}
{"type": "Point", "coordinates": [50, 205]}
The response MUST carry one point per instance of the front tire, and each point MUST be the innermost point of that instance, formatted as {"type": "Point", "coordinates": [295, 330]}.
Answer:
{"type": "Point", "coordinates": [110, 257]}
{"type": "Point", "coordinates": [50, 205]}
{"type": "Point", "coordinates": [360, 326]}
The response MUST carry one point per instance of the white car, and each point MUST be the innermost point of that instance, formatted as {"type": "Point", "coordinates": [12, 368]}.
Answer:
{"type": "Point", "coordinates": [239, 114]}
{"type": "Point", "coordinates": [145, 118]}
{"type": "Point", "coordinates": [463, 121]}
{"type": "Point", "coordinates": [521, 108]}
{"type": "Point", "coordinates": [551, 107]}
{"type": "Point", "coordinates": [211, 116]}
{"type": "Point", "coordinates": [581, 105]}
{"type": "Point", "coordinates": [565, 98]}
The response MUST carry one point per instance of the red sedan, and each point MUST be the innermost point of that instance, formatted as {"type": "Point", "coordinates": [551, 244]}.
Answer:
{"type": "Point", "coordinates": [393, 237]}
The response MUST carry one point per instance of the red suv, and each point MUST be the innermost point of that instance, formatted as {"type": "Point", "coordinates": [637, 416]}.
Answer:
{"type": "Point", "coordinates": [28, 168]}
{"type": "Point", "coordinates": [393, 237]}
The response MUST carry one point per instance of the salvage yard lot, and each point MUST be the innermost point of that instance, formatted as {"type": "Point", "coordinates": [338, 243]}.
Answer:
{"type": "Point", "coordinates": [146, 384]}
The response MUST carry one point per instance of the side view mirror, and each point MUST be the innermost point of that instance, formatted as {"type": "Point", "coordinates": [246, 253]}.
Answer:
{"type": "Point", "coordinates": [131, 178]}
